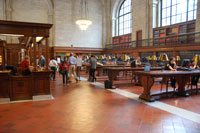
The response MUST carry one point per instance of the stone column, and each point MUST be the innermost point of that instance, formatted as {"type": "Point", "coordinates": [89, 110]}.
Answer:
{"type": "Point", "coordinates": [197, 29]}
{"type": "Point", "coordinates": [8, 16]}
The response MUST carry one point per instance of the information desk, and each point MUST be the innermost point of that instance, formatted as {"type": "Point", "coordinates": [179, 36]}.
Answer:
{"type": "Point", "coordinates": [114, 71]}
{"type": "Point", "coordinates": [147, 80]}
{"type": "Point", "coordinates": [20, 87]}
{"type": "Point", "coordinates": [4, 84]}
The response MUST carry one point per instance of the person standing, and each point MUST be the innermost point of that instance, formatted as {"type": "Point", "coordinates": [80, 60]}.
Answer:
{"type": "Point", "coordinates": [25, 66]}
{"type": "Point", "coordinates": [79, 65]}
{"type": "Point", "coordinates": [53, 65]}
{"type": "Point", "coordinates": [42, 64]}
{"type": "Point", "coordinates": [72, 67]}
{"type": "Point", "coordinates": [65, 67]}
{"type": "Point", "coordinates": [93, 64]}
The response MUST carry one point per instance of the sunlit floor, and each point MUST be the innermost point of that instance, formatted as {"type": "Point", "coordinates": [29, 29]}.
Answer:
{"type": "Point", "coordinates": [86, 107]}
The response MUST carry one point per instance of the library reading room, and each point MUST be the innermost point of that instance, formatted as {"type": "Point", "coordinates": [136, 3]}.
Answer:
{"type": "Point", "coordinates": [99, 66]}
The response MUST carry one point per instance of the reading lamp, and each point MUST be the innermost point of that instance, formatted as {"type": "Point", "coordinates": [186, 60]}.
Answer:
{"type": "Point", "coordinates": [154, 58]}
{"type": "Point", "coordinates": [108, 58]}
{"type": "Point", "coordinates": [163, 57]}
{"type": "Point", "coordinates": [125, 57]}
{"type": "Point", "coordinates": [177, 59]}
{"type": "Point", "coordinates": [148, 58]}
{"type": "Point", "coordinates": [86, 57]}
{"type": "Point", "coordinates": [1, 59]}
{"type": "Point", "coordinates": [196, 58]}
{"type": "Point", "coordinates": [101, 57]}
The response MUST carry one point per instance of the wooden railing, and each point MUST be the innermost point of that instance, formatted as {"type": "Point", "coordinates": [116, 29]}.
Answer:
{"type": "Point", "coordinates": [181, 39]}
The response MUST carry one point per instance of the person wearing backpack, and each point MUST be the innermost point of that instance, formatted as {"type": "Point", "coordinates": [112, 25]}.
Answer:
{"type": "Point", "coordinates": [64, 66]}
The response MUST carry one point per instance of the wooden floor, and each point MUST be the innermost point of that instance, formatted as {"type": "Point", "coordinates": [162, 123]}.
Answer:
{"type": "Point", "coordinates": [86, 108]}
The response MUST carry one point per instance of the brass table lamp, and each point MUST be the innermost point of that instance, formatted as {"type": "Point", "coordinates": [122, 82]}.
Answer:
{"type": "Point", "coordinates": [178, 60]}
{"type": "Point", "coordinates": [154, 58]}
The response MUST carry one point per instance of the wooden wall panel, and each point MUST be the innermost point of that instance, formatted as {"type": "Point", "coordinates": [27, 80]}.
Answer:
{"type": "Point", "coordinates": [41, 83]}
{"type": "Point", "coordinates": [21, 88]}
{"type": "Point", "coordinates": [4, 84]}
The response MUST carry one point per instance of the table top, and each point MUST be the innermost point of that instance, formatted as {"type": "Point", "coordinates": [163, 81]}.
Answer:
{"type": "Point", "coordinates": [168, 73]}
{"type": "Point", "coordinates": [6, 71]}
{"type": "Point", "coordinates": [132, 68]}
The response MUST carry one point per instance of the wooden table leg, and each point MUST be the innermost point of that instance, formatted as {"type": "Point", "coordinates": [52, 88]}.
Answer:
{"type": "Point", "coordinates": [112, 75]}
{"type": "Point", "coordinates": [182, 81]}
{"type": "Point", "coordinates": [98, 71]}
{"type": "Point", "coordinates": [147, 83]}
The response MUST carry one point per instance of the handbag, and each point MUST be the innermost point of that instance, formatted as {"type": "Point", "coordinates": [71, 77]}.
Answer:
{"type": "Point", "coordinates": [62, 71]}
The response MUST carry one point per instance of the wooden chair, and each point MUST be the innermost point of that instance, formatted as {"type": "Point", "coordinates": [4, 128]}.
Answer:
{"type": "Point", "coordinates": [191, 86]}
{"type": "Point", "coordinates": [166, 80]}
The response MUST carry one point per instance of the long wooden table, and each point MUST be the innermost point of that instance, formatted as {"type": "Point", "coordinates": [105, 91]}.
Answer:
{"type": "Point", "coordinates": [114, 71]}
{"type": "Point", "coordinates": [100, 69]}
{"type": "Point", "coordinates": [147, 80]}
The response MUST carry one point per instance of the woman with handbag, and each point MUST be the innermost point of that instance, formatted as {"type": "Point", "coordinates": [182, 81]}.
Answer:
{"type": "Point", "coordinates": [64, 70]}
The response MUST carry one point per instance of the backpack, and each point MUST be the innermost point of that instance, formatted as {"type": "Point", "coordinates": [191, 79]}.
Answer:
{"type": "Point", "coordinates": [133, 64]}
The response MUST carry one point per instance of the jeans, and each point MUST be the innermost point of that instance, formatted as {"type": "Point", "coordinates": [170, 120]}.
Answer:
{"type": "Point", "coordinates": [65, 77]}
{"type": "Point", "coordinates": [92, 74]}
{"type": "Point", "coordinates": [53, 74]}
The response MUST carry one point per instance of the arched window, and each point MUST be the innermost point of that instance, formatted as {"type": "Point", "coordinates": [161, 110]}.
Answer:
{"type": "Point", "coordinates": [125, 18]}
{"type": "Point", "coordinates": [176, 11]}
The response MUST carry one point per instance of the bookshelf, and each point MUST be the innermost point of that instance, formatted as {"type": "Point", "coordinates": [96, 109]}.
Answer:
{"type": "Point", "coordinates": [176, 29]}
{"type": "Point", "coordinates": [159, 32]}
{"type": "Point", "coordinates": [121, 39]}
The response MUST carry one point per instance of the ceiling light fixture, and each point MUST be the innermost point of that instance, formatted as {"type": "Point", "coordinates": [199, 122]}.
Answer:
{"type": "Point", "coordinates": [84, 22]}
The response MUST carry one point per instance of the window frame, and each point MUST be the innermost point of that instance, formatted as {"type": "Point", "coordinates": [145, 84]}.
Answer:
{"type": "Point", "coordinates": [129, 20]}
{"type": "Point", "coordinates": [177, 14]}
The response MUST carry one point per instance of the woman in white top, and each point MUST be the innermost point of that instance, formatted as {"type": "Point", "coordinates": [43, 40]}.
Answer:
{"type": "Point", "coordinates": [78, 66]}
{"type": "Point", "coordinates": [53, 65]}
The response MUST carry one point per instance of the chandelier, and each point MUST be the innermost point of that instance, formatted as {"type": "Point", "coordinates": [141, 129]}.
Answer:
{"type": "Point", "coordinates": [84, 22]}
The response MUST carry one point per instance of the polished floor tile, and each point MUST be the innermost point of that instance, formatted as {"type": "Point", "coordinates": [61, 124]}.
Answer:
{"type": "Point", "coordinates": [86, 108]}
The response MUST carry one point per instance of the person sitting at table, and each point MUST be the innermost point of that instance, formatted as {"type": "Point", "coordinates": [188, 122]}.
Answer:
{"type": "Point", "coordinates": [138, 62]}
{"type": "Point", "coordinates": [194, 66]}
{"type": "Point", "coordinates": [172, 66]}
{"type": "Point", "coordinates": [25, 66]}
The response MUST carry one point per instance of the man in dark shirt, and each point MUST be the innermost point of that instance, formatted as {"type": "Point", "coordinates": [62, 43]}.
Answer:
{"type": "Point", "coordinates": [93, 65]}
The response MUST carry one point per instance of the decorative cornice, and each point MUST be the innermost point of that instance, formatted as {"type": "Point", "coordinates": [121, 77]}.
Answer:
{"type": "Point", "coordinates": [77, 49]}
